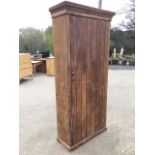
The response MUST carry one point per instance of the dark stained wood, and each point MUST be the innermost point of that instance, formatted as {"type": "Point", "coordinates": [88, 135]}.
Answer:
{"type": "Point", "coordinates": [84, 24]}
{"type": "Point", "coordinates": [101, 74]}
{"type": "Point", "coordinates": [78, 54]}
{"type": "Point", "coordinates": [62, 76]}
{"type": "Point", "coordinates": [41, 68]}
{"type": "Point", "coordinates": [81, 44]}
{"type": "Point", "coordinates": [80, 10]}
{"type": "Point", "coordinates": [73, 78]}
{"type": "Point", "coordinates": [72, 147]}
{"type": "Point", "coordinates": [105, 77]}
{"type": "Point", "coordinates": [99, 70]}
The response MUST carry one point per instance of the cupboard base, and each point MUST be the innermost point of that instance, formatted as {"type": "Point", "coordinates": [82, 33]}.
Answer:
{"type": "Point", "coordinates": [70, 148]}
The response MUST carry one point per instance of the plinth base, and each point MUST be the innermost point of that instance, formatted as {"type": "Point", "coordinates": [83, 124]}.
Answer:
{"type": "Point", "coordinates": [70, 148]}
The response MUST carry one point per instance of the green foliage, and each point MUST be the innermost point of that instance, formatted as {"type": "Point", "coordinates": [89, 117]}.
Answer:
{"type": "Point", "coordinates": [49, 39]}
{"type": "Point", "coordinates": [125, 39]}
{"type": "Point", "coordinates": [31, 40]}
{"type": "Point", "coordinates": [112, 44]}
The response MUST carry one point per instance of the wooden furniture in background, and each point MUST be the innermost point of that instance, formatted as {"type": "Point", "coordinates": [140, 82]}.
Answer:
{"type": "Point", "coordinates": [50, 67]}
{"type": "Point", "coordinates": [25, 66]}
{"type": "Point", "coordinates": [39, 67]}
{"type": "Point", "coordinates": [35, 64]}
{"type": "Point", "coordinates": [42, 67]}
{"type": "Point", "coordinates": [81, 46]}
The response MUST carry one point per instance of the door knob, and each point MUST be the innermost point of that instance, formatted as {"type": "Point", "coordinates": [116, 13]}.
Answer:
{"type": "Point", "coordinates": [73, 75]}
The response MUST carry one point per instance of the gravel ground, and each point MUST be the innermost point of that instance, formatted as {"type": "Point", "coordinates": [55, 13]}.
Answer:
{"type": "Point", "coordinates": [38, 117]}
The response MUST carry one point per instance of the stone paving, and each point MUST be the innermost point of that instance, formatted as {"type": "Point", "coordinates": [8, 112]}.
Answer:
{"type": "Point", "coordinates": [37, 117]}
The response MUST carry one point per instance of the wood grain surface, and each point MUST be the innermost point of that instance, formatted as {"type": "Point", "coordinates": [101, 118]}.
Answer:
{"type": "Point", "coordinates": [81, 45]}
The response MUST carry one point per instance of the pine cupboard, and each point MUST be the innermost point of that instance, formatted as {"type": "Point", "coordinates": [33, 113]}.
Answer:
{"type": "Point", "coordinates": [50, 67]}
{"type": "Point", "coordinates": [25, 66]}
{"type": "Point", "coordinates": [81, 45]}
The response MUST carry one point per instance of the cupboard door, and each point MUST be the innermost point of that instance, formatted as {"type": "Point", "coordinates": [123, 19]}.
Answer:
{"type": "Point", "coordinates": [89, 76]}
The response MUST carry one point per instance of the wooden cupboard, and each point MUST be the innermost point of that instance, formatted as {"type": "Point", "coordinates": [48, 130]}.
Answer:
{"type": "Point", "coordinates": [25, 66]}
{"type": "Point", "coordinates": [50, 67]}
{"type": "Point", "coordinates": [81, 45]}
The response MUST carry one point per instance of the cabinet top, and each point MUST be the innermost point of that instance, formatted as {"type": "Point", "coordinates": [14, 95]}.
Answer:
{"type": "Point", "coordinates": [71, 8]}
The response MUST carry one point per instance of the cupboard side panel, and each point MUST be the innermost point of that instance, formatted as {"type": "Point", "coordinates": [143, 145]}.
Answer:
{"type": "Point", "coordinates": [100, 71]}
{"type": "Point", "coordinates": [62, 69]}
{"type": "Point", "coordinates": [105, 77]}
{"type": "Point", "coordinates": [101, 74]}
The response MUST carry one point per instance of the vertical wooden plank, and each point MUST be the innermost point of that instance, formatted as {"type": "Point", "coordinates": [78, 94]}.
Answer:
{"type": "Point", "coordinates": [98, 74]}
{"type": "Point", "coordinates": [91, 77]}
{"type": "Point", "coordinates": [61, 47]}
{"type": "Point", "coordinates": [88, 110]}
{"type": "Point", "coordinates": [93, 71]}
{"type": "Point", "coordinates": [79, 39]}
{"type": "Point", "coordinates": [73, 79]}
{"type": "Point", "coordinates": [84, 50]}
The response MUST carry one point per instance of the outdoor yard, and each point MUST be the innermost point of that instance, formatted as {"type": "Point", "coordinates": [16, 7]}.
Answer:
{"type": "Point", "coordinates": [38, 117]}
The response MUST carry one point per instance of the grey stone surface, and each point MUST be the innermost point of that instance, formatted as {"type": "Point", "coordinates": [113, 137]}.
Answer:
{"type": "Point", "coordinates": [37, 117]}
